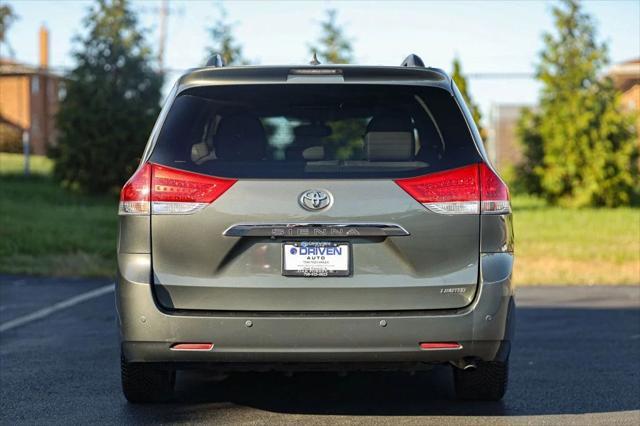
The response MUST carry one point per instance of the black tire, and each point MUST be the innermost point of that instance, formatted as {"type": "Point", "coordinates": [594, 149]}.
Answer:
{"type": "Point", "coordinates": [488, 382]}
{"type": "Point", "coordinates": [146, 383]}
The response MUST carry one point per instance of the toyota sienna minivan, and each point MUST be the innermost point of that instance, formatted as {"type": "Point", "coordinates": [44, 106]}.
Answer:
{"type": "Point", "coordinates": [317, 217]}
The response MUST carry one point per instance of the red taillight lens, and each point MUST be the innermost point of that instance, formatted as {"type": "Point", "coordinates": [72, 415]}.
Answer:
{"type": "Point", "coordinates": [134, 197]}
{"type": "Point", "coordinates": [495, 194]}
{"type": "Point", "coordinates": [170, 191]}
{"type": "Point", "coordinates": [465, 190]}
{"type": "Point", "coordinates": [455, 191]}
{"type": "Point", "coordinates": [176, 191]}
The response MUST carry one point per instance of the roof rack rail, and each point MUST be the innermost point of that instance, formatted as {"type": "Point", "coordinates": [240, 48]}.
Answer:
{"type": "Point", "coordinates": [216, 61]}
{"type": "Point", "coordinates": [412, 61]}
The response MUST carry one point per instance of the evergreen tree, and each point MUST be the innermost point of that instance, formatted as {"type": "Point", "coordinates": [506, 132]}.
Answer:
{"type": "Point", "coordinates": [333, 46]}
{"type": "Point", "coordinates": [112, 100]}
{"type": "Point", "coordinates": [580, 149]}
{"type": "Point", "coordinates": [461, 81]}
{"type": "Point", "coordinates": [224, 42]}
{"type": "Point", "coordinates": [7, 18]}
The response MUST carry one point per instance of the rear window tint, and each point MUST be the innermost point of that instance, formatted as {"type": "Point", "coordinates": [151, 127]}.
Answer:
{"type": "Point", "coordinates": [315, 131]}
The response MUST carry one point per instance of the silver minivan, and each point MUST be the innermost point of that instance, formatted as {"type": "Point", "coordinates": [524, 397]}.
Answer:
{"type": "Point", "coordinates": [326, 217]}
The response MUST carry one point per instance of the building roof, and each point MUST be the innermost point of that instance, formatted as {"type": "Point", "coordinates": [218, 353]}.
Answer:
{"type": "Point", "coordinates": [626, 74]}
{"type": "Point", "coordinates": [10, 68]}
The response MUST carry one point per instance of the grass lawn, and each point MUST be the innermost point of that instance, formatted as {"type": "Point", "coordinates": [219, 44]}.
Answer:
{"type": "Point", "coordinates": [584, 246]}
{"type": "Point", "coordinates": [47, 230]}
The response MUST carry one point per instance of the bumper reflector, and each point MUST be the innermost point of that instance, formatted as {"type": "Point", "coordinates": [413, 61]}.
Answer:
{"type": "Point", "coordinates": [432, 345]}
{"type": "Point", "coordinates": [192, 346]}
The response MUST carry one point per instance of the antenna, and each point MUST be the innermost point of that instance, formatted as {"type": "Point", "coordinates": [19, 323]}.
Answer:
{"type": "Point", "coordinates": [412, 61]}
{"type": "Point", "coordinates": [314, 60]}
{"type": "Point", "coordinates": [216, 61]}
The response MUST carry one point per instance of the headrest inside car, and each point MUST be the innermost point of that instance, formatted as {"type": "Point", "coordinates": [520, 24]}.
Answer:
{"type": "Point", "coordinates": [200, 153]}
{"type": "Point", "coordinates": [389, 146]}
{"type": "Point", "coordinates": [313, 153]}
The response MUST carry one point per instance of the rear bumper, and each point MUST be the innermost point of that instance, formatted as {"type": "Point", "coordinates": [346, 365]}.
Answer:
{"type": "Point", "coordinates": [484, 328]}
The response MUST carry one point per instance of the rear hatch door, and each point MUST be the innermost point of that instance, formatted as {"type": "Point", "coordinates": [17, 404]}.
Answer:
{"type": "Point", "coordinates": [269, 146]}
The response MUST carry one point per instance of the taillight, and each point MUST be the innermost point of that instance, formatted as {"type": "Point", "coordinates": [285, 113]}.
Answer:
{"type": "Point", "coordinates": [494, 193]}
{"type": "Point", "coordinates": [455, 191]}
{"type": "Point", "coordinates": [465, 190]}
{"type": "Point", "coordinates": [165, 190]}
{"type": "Point", "coordinates": [134, 197]}
{"type": "Point", "coordinates": [176, 191]}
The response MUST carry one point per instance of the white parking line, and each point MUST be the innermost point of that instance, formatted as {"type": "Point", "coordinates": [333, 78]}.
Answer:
{"type": "Point", "coordinates": [45, 312]}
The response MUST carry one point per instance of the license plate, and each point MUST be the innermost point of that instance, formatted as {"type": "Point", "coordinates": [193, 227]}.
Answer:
{"type": "Point", "coordinates": [316, 259]}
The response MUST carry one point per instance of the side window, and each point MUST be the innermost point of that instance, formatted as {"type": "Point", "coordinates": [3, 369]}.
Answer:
{"type": "Point", "coordinates": [35, 85]}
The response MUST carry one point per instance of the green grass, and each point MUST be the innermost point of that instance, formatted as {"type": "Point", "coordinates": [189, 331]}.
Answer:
{"type": "Point", "coordinates": [581, 246]}
{"type": "Point", "coordinates": [13, 164]}
{"type": "Point", "coordinates": [47, 230]}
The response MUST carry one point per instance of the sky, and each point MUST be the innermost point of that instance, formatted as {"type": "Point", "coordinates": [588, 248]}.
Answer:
{"type": "Point", "coordinates": [500, 36]}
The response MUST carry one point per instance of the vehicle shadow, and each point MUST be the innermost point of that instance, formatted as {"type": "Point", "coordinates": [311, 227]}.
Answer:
{"type": "Point", "coordinates": [564, 361]}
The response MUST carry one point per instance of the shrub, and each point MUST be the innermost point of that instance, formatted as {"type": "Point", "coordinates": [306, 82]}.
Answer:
{"type": "Point", "coordinates": [10, 139]}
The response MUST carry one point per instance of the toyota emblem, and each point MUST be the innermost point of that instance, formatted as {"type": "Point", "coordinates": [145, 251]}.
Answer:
{"type": "Point", "coordinates": [315, 199]}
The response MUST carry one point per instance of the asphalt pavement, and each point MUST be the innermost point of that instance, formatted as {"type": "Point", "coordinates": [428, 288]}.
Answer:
{"type": "Point", "coordinates": [575, 361]}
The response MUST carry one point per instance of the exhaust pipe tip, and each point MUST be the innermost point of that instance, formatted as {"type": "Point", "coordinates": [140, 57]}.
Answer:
{"type": "Point", "coordinates": [465, 364]}
{"type": "Point", "coordinates": [470, 366]}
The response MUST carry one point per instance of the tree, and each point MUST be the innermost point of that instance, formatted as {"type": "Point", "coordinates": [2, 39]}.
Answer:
{"type": "Point", "coordinates": [112, 100]}
{"type": "Point", "coordinates": [7, 18]}
{"type": "Point", "coordinates": [527, 173]}
{"type": "Point", "coordinates": [579, 147]}
{"type": "Point", "coordinates": [461, 81]}
{"type": "Point", "coordinates": [224, 42]}
{"type": "Point", "coordinates": [333, 47]}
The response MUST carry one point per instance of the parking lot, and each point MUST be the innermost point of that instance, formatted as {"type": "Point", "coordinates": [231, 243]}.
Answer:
{"type": "Point", "coordinates": [575, 361]}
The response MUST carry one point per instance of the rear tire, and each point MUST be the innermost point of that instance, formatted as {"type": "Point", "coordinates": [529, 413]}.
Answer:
{"type": "Point", "coordinates": [146, 383]}
{"type": "Point", "coordinates": [488, 382]}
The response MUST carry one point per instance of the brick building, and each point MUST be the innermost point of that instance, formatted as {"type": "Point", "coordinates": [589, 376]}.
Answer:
{"type": "Point", "coordinates": [626, 77]}
{"type": "Point", "coordinates": [502, 142]}
{"type": "Point", "coordinates": [29, 101]}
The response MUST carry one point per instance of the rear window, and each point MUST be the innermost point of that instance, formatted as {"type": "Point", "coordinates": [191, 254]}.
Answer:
{"type": "Point", "coordinates": [302, 131]}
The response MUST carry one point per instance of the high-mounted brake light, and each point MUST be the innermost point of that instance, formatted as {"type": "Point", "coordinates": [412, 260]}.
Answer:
{"type": "Point", "coordinates": [165, 190]}
{"type": "Point", "coordinates": [315, 71]}
{"type": "Point", "coordinates": [466, 190]}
